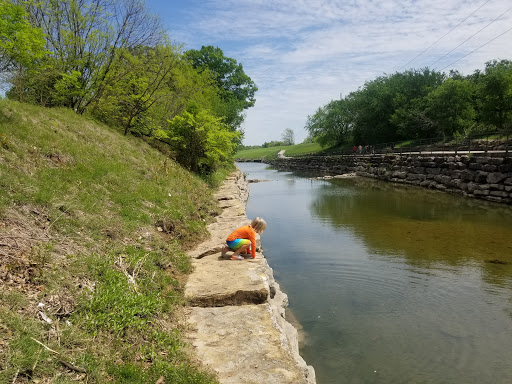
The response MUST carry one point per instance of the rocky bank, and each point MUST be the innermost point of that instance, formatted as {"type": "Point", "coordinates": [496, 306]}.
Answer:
{"type": "Point", "coordinates": [236, 318]}
{"type": "Point", "coordinates": [477, 176]}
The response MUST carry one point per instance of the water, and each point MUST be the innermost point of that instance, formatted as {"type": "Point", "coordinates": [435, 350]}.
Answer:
{"type": "Point", "coordinates": [391, 284]}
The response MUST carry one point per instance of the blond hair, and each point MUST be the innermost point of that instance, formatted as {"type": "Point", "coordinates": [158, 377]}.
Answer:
{"type": "Point", "coordinates": [259, 225]}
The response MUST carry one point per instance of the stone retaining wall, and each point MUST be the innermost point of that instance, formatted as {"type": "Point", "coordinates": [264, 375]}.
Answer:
{"type": "Point", "coordinates": [483, 177]}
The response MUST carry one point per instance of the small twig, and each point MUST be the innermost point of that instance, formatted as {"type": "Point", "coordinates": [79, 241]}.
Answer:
{"type": "Point", "coordinates": [160, 380]}
{"type": "Point", "coordinates": [44, 346]}
{"type": "Point", "coordinates": [53, 222]}
{"type": "Point", "coordinates": [72, 367]}
{"type": "Point", "coordinates": [26, 237]}
{"type": "Point", "coordinates": [63, 362]}
{"type": "Point", "coordinates": [15, 376]}
{"type": "Point", "coordinates": [37, 360]}
{"type": "Point", "coordinates": [57, 330]}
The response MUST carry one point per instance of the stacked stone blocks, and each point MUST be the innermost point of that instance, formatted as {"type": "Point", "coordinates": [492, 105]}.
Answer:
{"type": "Point", "coordinates": [478, 176]}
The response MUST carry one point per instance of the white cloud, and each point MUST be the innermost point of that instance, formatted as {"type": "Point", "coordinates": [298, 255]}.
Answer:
{"type": "Point", "coordinates": [302, 54]}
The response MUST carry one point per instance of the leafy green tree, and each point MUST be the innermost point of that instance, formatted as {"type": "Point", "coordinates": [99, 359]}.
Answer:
{"type": "Point", "coordinates": [237, 90]}
{"type": "Point", "coordinates": [134, 85]}
{"type": "Point", "coordinates": [411, 87]}
{"type": "Point", "coordinates": [201, 141]}
{"type": "Point", "coordinates": [84, 37]}
{"type": "Point", "coordinates": [495, 94]}
{"type": "Point", "coordinates": [374, 106]}
{"type": "Point", "coordinates": [449, 107]}
{"type": "Point", "coordinates": [21, 45]}
{"type": "Point", "coordinates": [332, 124]}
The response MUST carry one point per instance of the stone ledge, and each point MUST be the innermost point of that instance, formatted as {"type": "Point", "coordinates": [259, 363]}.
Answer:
{"type": "Point", "coordinates": [243, 344]}
{"type": "Point", "coordinates": [237, 325]}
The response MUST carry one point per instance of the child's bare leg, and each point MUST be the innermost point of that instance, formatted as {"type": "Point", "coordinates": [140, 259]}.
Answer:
{"type": "Point", "coordinates": [242, 249]}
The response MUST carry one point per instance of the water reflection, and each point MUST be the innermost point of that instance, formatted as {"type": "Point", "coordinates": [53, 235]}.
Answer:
{"type": "Point", "coordinates": [391, 284]}
{"type": "Point", "coordinates": [422, 226]}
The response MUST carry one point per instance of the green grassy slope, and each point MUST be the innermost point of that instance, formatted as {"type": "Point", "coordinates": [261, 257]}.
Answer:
{"type": "Point", "coordinates": [93, 228]}
{"type": "Point", "coordinates": [271, 153]}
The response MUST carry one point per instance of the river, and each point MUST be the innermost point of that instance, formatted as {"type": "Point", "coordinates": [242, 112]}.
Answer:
{"type": "Point", "coordinates": [390, 283]}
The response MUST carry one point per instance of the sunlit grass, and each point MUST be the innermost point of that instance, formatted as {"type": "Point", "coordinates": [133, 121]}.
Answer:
{"type": "Point", "coordinates": [97, 222]}
{"type": "Point", "coordinates": [271, 152]}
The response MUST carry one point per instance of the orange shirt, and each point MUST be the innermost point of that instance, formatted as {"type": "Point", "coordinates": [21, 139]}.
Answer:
{"type": "Point", "coordinates": [246, 232]}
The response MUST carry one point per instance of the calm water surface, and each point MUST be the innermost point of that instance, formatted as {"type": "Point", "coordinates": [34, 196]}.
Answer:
{"type": "Point", "coordinates": [391, 284]}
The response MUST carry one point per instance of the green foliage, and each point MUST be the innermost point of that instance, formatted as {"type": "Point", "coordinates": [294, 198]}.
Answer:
{"type": "Point", "coordinates": [114, 61]}
{"type": "Point", "coordinates": [134, 85]}
{"type": "Point", "coordinates": [125, 295]}
{"type": "Point", "coordinates": [450, 107]}
{"type": "Point", "coordinates": [20, 43]}
{"type": "Point", "coordinates": [237, 89]}
{"type": "Point", "coordinates": [332, 124]}
{"type": "Point", "coordinates": [417, 104]}
{"type": "Point", "coordinates": [495, 91]}
{"type": "Point", "coordinates": [273, 143]}
{"type": "Point", "coordinates": [201, 141]}
{"type": "Point", "coordinates": [68, 89]}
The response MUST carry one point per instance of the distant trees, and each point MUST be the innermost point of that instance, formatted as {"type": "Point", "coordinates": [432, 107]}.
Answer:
{"type": "Point", "coordinates": [113, 60]}
{"type": "Point", "coordinates": [288, 137]}
{"type": "Point", "coordinates": [495, 93]}
{"type": "Point", "coordinates": [417, 104]}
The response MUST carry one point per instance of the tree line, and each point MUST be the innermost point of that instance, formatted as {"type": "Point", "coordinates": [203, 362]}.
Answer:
{"type": "Point", "coordinates": [113, 60]}
{"type": "Point", "coordinates": [418, 104]}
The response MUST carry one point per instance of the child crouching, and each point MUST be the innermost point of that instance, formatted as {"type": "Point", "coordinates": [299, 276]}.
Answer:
{"type": "Point", "coordinates": [243, 239]}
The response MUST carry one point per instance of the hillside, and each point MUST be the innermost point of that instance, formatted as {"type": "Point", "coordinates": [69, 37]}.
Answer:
{"type": "Point", "coordinates": [271, 152]}
{"type": "Point", "coordinates": [93, 228]}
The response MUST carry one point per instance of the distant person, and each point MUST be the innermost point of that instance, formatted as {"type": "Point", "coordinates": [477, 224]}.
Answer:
{"type": "Point", "coordinates": [354, 149]}
{"type": "Point", "coordinates": [360, 149]}
{"type": "Point", "coordinates": [243, 239]}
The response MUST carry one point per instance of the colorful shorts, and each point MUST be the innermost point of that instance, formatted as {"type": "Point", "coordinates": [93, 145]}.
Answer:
{"type": "Point", "coordinates": [237, 243]}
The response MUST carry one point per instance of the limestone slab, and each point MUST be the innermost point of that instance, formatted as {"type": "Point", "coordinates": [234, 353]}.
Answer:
{"type": "Point", "coordinates": [216, 282]}
{"type": "Point", "coordinates": [244, 345]}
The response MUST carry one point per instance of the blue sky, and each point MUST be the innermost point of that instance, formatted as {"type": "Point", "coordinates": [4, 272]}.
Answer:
{"type": "Point", "coordinates": [302, 54]}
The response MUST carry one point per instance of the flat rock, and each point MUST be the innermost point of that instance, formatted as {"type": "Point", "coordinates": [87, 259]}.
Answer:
{"type": "Point", "coordinates": [244, 344]}
{"type": "Point", "coordinates": [218, 282]}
